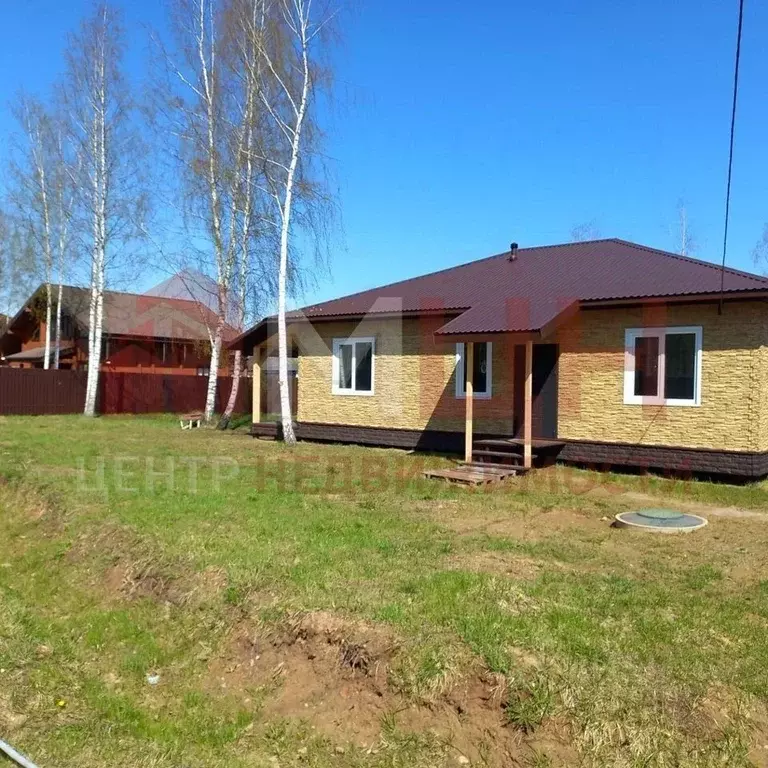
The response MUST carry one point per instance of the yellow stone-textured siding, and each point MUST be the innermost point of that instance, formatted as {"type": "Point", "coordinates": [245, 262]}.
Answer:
{"type": "Point", "coordinates": [415, 387]}
{"type": "Point", "coordinates": [414, 384]}
{"type": "Point", "coordinates": [730, 417]}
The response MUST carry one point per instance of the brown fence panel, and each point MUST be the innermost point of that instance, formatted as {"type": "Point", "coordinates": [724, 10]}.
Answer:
{"type": "Point", "coordinates": [35, 392]}
{"type": "Point", "coordinates": [160, 393]}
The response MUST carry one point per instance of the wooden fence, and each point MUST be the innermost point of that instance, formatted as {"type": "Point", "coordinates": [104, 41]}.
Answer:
{"type": "Point", "coordinates": [33, 391]}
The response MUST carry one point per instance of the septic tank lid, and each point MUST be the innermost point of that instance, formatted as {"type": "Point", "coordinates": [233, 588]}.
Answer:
{"type": "Point", "coordinates": [660, 520]}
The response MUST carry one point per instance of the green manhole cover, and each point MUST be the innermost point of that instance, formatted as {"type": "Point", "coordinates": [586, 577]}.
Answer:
{"type": "Point", "coordinates": [659, 514]}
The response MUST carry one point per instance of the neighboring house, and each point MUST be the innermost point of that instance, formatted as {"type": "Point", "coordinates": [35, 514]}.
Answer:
{"type": "Point", "coordinates": [610, 352]}
{"type": "Point", "coordinates": [145, 334]}
{"type": "Point", "coordinates": [193, 285]}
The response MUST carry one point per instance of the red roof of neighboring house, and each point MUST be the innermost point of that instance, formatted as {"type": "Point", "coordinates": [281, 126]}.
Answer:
{"type": "Point", "coordinates": [133, 314]}
{"type": "Point", "coordinates": [497, 294]}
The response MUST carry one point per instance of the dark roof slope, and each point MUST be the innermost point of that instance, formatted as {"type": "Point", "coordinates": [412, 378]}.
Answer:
{"type": "Point", "coordinates": [524, 294]}
{"type": "Point", "coordinates": [496, 295]}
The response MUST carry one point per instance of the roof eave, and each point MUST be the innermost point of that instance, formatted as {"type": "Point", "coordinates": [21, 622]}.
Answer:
{"type": "Point", "coordinates": [739, 294]}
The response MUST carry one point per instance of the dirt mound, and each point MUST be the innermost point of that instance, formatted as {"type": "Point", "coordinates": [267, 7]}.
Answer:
{"type": "Point", "coordinates": [334, 673]}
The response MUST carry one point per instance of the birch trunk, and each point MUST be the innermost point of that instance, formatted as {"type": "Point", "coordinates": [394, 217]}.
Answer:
{"type": "Point", "coordinates": [48, 314]}
{"type": "Point", "coordinates": [100, 183]}
{"type": "Point", "coordinates": [57, 345]}
{"type": "Point", "coordinates": [213, 373]}
{"type": "Point", "coordinates": [237, 372]}
{"type": "Point", "coordinates": [282, 332]}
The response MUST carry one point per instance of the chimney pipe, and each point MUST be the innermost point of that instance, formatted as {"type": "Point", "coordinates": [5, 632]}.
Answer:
{"type": "Point", "coordinates": [512, 251]}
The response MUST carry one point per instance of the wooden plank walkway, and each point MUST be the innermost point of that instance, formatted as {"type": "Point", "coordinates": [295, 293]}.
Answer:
{"type": "Point", "coordinates": [473, 474]}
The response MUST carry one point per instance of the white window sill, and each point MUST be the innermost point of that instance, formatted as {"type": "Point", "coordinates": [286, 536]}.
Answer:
{"type": "Point", "coordinates": [351, 393]}
{"type": "Point", "coordinates": [661, 402]}
{"type": "Point", "coordinates": [476, 396]}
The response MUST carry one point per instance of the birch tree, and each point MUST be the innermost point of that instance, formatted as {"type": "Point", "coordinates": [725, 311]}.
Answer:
{"type": "Point", "coordinates": [99, 115]}
{"type": "Point", "coordinates": [31, 192]}
{"type": "Point", "coordinates": [291, 74]}
{"type": "Point", "coordinates": [42, 195]}
{"type": "Point", "coordinates": [209, 109]}
{"type": "Point", "coordinates": [686, 241]}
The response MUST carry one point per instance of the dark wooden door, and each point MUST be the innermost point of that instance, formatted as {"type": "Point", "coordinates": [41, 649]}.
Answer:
{"type": "Point", "coordinates": [544, 416]}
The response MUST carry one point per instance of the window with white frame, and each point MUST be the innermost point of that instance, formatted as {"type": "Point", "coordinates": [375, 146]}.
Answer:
{"type": "Point", "coordinates": [482, 370]}
{"type": "Point", "coordinates": [662, 366]}
{"type": "Point", "coordinates": [353, 366]}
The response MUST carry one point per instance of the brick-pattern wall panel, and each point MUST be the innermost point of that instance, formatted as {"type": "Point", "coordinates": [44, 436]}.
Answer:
{"type": "Point", "coordinates": [414, 380]}
{"type": "Point", "coordinates": [762, 385]}
{"type": "Point", "coordinates": [734, 362]}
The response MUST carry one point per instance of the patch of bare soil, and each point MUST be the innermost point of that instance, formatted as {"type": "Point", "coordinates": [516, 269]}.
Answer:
{"type": "Point", "coordinates": [147, 579]}
{"type": "Point", "coordinates": [10, 720]}
{"type": "Point", "coordinates": [758, 755]}
{"type": "Point", "coordinates": [334, 673]}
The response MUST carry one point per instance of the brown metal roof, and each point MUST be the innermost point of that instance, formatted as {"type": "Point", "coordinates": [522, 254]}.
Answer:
{"type": "Point", "coordinates": [38, 353]}
{"type": "Point", "coordinates": [496, 295]}
{"type": "Point", "coordinates": [132, 314]}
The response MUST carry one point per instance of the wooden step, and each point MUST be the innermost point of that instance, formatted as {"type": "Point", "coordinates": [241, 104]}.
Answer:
{"type": "Point", "coordinates": [512, 458]}
{"type": "Point", "coordinates": [498, 442]}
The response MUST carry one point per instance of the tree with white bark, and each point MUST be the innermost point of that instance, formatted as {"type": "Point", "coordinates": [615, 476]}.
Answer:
{"type": "Point", "coordinates": [206, 109]}
{"type": "Point", "coordinates": [31, 196]}
{"type": "Point", "coordinates": [235, 103]}
{"type": "Point", "coordinates": [291, 75]}
{"type": "Point", "coordinates": [110, 202]}
{"type": "Point", "coordinates": [42, 199]}
{"type": "Point", "coordinates": [683, 232]}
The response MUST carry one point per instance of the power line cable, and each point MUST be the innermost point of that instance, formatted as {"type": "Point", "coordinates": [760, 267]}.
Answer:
{"type": "Point", "coordinates": [730, 153]}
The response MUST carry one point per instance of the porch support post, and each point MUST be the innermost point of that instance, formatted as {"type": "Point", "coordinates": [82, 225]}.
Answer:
{"type": "Point", "coordinates": [528, 407]}
{"type": "Point", "coordinates": [469, 367]}
{"type": "Point", "coordinates": [256, 385]}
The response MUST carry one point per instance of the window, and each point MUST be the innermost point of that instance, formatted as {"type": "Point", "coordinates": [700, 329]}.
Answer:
{"type": "Point", "coordinates": [662, 366]}
{"type": "Point", "coordinates": [482, 365]}
{"type": "Point", "coordinates": [353, 366]}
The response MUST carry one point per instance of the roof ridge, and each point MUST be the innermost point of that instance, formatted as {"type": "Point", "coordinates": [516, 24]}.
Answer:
{"type": "Point", "coordinates": [690, 259]}
{"type": "Point", "coordinates": [457, 266]}
{"type": "Point", "coordinates": [86, 288]}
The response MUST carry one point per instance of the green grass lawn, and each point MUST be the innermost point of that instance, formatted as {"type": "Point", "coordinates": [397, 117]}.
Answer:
{"type": "Point", "coordinates": [200, 598]}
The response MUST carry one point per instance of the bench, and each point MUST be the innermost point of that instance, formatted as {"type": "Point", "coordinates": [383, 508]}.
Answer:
{"type": "Point", "coordinates": [189, 420]}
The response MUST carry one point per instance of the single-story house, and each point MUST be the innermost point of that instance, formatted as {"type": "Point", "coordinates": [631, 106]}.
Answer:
{"type": "Point", "coordinates": [141, 333]}
{"type": "Point", "coordinates": [611, 352]}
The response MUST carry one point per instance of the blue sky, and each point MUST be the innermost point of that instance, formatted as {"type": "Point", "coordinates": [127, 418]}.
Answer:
{"type": "Point", "coordinates": [458, 127]}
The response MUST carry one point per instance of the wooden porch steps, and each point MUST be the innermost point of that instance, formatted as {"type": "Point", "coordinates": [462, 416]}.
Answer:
{"type": "Point", "coordinates": [497, 457]}
{"type": "Point", "coordinates": [508, 451]}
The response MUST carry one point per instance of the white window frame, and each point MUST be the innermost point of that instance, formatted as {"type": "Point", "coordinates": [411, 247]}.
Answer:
{"type": "Point", "coordinates": [354, 341]}
{"type": "Point", "coordinates": [630, 335]}
{"type": "Point", "coordinates": [488, 374]}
